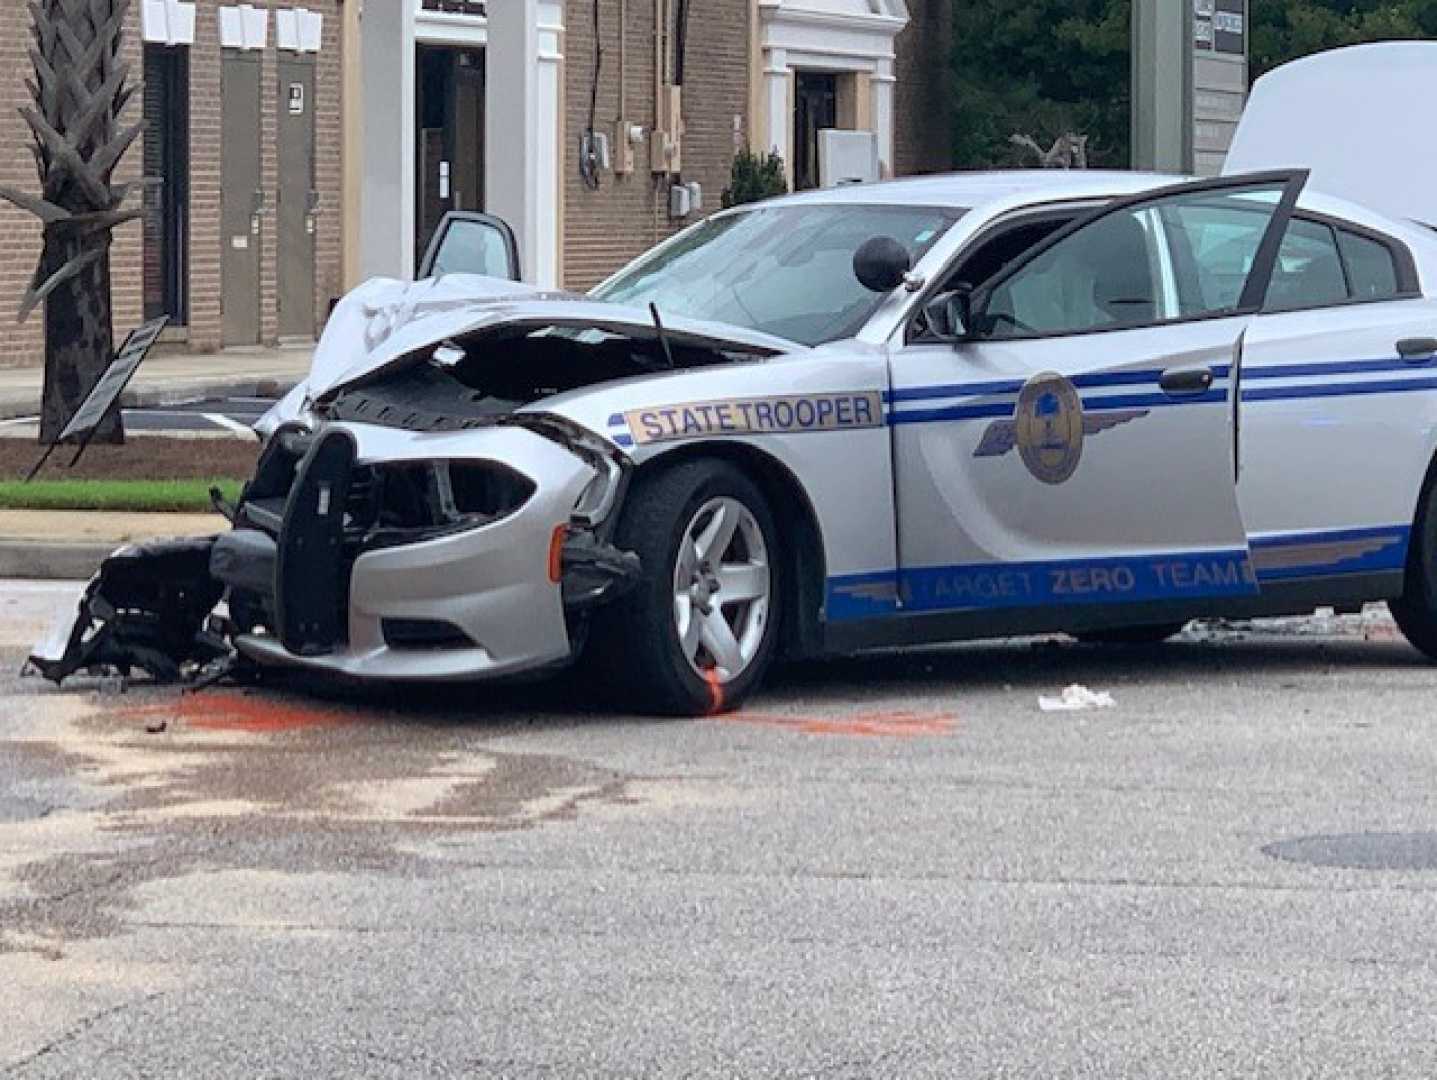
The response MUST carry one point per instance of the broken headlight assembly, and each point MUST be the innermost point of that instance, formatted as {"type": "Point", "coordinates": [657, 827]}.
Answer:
{"type": "Point", "coordinates": [402, 503]}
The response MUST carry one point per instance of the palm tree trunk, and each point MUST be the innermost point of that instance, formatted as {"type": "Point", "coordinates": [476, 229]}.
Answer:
{"type": "Point", "coordinates": [78, 347]}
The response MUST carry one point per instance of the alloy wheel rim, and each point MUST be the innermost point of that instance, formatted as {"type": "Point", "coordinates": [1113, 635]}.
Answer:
{"type": "Point", "coordinates": [722, 590]}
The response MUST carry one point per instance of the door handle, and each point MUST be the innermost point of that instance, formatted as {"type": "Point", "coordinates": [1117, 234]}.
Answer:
{"type": "Point", "coordinates": [1416, 350]}
{"type": "Point", "coordinates": [1188, 380]}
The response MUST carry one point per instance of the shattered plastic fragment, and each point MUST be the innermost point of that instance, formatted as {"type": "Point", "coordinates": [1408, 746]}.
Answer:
{"type": "Point", "coordinates": [145, 609]}
{"type": "Point", "coordinates": [1076, 698]}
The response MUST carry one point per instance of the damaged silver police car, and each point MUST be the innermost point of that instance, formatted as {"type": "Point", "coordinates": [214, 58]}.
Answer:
{"type": "Point", "coordinates": [927, 410]}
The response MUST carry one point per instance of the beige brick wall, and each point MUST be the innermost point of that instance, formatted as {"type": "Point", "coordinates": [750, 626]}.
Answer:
{"type": "Point", "coordinates": [17, 256]}
{"type": "Point", "coordinates": [205, 115]}
{"type": "Point", "coordinates": [922, 119]}
{"type": "Point", "coordinates": [606, 228]}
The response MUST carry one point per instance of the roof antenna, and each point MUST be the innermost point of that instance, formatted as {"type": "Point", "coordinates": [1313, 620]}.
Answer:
{"type": "Point", "coordinates": [663, 334]}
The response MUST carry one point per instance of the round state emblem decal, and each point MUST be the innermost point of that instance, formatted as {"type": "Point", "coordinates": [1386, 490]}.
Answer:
{"type": "Point", "coordinates": [1049, 422]}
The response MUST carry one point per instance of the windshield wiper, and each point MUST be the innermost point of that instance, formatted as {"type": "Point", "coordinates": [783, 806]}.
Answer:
{"type": "Point", "coordinates": [663, 335]}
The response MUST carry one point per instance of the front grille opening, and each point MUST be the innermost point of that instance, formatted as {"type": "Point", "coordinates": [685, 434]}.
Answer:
{"type": "Point", "coordinates": [435, 495]}
{"type": "Point", "coordinates": [424, 634]}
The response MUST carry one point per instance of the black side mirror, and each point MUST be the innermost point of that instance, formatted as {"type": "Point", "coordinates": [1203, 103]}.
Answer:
{"type": "Point", "coordinates": [948, 315]}
{"type": "Point", "coordinates": [881, 264]}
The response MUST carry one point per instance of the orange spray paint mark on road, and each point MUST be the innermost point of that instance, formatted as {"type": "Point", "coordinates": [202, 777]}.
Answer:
{"type": "Point", "coordinates": [716, 697]}
{"type": "Point", "coordinates": [238, 712]}
{"type": "Point", "coordinates": [892, 725]}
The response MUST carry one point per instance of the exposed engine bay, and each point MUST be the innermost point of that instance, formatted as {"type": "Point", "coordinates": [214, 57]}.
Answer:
{"type": "Point", "coordinates": [468, 381]}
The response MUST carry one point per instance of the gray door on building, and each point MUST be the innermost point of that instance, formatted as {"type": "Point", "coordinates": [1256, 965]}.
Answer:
{"type": "Point", "coordinates": [298, 199]}
{"type": "Point", "coordinates": [241, 197]}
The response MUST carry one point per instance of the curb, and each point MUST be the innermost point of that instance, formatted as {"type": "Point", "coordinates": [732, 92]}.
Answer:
{"type": "Point", "coordinates": [144, 397]}
{"type": "Point", "coordinates": [44, 560]}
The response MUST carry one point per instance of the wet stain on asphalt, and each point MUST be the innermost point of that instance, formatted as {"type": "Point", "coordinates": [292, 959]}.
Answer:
{"type": "Point", "coordinates": [255, 781]}
{"type": "Point", "coordinates": [226, 711]}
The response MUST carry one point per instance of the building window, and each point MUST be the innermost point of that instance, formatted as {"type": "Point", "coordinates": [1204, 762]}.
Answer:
{"type": "Point", "coordinates": [167, 183]}
{"type": "Point", "coordinates": [815, 109]}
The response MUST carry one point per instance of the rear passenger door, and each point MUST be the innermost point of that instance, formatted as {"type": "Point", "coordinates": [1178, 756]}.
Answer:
{"type": "Point", "coordinates": [1336, 385]}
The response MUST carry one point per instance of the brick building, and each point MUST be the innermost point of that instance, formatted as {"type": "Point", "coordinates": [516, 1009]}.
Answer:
{"type": "Point", "coordinates": [220, 112]}
{"type": "Point", "coordinates": [517, 99]}
{"type": "Point", "coordinates": [290, 152]}
{"type": "Point", "coordinates": [877, 65]}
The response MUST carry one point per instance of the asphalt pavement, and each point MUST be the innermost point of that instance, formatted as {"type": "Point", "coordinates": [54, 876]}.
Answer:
{"type": "Point", "coordinates": [895, 865]}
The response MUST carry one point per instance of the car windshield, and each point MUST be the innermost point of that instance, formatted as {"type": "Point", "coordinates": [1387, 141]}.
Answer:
{"type": "Point", "coordinates": [782, 270]}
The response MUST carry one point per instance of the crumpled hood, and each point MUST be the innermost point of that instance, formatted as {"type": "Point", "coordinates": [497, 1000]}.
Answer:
{"type": "Point", "coordinates": [384, 322]}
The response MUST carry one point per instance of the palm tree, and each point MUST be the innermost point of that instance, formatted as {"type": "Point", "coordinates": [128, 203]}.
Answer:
{"type": "Point", "coordinates": [80, 88]}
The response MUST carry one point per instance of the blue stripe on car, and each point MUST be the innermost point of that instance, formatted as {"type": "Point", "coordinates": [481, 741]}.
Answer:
{"type": "Point", "coordinates": [1122, 579]}
{"type": "Point", "coordinates": [980, 586]}
{"type": "Point", "coordinates": [1348, 389]}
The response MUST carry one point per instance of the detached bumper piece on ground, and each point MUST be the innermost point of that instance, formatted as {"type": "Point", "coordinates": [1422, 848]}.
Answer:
{"type": "Point", "coordinates": [149, 609]}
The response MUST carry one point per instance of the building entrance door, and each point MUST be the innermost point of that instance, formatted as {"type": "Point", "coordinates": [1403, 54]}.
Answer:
{"type": "Point", "coordinates": [167, 183]}
{"type": "Point", "coordinates": [815, 109]}
{"type": "Point", "coordinates": [298, 200]}
{"type": "Point", "coordinates": [241, 197]}
{"type": "Point", "coordinates": [450, 154]}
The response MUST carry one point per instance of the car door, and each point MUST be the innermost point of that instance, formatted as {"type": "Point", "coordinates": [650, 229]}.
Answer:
{"type": "Point", "coordinates": [1337, 406]}
{"type": "Point", "coordinates": [1076, 445]}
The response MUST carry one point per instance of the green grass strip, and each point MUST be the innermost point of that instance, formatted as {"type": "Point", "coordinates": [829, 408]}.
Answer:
{"type": "Point", "coordinates": [140, 496]}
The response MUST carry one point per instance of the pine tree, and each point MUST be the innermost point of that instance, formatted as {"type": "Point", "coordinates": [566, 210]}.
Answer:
{"type": "Point", "coordinates": [80, 88]}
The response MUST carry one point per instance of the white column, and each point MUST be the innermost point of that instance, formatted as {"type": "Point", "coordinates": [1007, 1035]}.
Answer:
{"type": "Point", "coordinates": [386, 237]}
{"type": "Point", "coordinates": [545, 262]}
{"type": "Point", "coordinates": [777, 83]}
{"type": "Point", "coordinates": [522, 110]}
{"type": "Point", "coordinates": [881, 84]}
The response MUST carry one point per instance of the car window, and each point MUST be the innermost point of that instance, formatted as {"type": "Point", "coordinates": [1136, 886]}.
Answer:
{"type": "Point", "coordinates": [1308, 272]}
{"type": "Point", "coordinates": [1371, 266]}
{"type": "Point", "coordinates": [1102, 276]}
{"type": "Point", "coordinates": [1214, 238]}
{"type": "Point", "coordinates": [783, 270]}
{"type": "Point", "coordinates": [1170, 257]}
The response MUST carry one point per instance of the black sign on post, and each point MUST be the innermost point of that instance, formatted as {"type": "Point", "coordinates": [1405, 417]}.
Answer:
{"type": "Point", "coordinates": [106, 392]}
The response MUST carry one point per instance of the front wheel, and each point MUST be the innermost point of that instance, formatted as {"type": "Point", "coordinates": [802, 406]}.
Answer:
{"type": "Point", "coordinates": [699, 632]}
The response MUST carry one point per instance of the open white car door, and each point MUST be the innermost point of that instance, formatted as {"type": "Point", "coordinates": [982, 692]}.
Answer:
{"type": "Point", "coordinates": [1359, 119]}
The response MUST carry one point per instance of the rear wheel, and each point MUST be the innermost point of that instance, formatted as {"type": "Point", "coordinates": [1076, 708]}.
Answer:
{"type": "Point", "coordinates": [1130, 635]}
{"type": "Point", "coordinates": [699, 632]}
{"type": "Point", "coordinates": [1416, 609]}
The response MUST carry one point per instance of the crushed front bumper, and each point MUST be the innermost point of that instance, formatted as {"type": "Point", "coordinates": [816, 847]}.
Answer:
{"type": "Point", "coordinates": [471, 604]}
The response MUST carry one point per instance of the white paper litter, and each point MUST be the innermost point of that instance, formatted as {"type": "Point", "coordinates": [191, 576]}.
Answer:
{"type": "Point", "coordinates": [1075, 698]}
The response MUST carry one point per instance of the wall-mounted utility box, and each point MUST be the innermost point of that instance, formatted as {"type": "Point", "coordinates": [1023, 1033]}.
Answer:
{"type": "Point", "coordinates": [665, 147]}
{"type": "Point", "coordinates": [627, 135]}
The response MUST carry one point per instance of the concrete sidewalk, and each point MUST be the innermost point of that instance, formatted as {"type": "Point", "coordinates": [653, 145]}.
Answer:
{"type": "Point", "coordinates": [70, 545]}
{"type": "Point", "coordinates": [170, 379]}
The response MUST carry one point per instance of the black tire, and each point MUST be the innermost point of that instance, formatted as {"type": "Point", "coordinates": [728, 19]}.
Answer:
{"type": "Point", "coordinates": [634, 652]}
{"type": "Point", "coordinates": [1130, 635]}
{"type": "Point", "coordinates": [1415, 611]}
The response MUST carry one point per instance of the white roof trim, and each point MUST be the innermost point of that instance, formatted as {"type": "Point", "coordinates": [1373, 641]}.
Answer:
{"type": "Point", "coordinates": [878, 20]}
